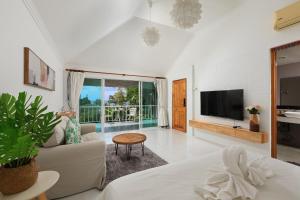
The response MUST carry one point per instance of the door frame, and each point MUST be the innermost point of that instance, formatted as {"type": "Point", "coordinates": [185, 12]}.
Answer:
{"type": "Point", "coordinates": [274, 82]}
{"type": "Point", "coordinates": [185, 81]}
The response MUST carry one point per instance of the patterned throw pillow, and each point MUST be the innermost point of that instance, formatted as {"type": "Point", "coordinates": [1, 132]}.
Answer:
{"type": "Point", "coordinates": [73, 135]}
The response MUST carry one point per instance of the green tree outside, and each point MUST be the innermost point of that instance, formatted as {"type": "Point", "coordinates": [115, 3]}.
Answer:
{"type": "Point", "coordinates": [132, 95]}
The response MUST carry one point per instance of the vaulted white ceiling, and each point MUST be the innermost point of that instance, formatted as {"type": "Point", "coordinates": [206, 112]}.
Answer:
{"type": "Point", "coordinates": [106, 34]}
{"type": "Point", "coordinates": [77, 24]}
{"type": "Point", "coordinates": [123, 50]}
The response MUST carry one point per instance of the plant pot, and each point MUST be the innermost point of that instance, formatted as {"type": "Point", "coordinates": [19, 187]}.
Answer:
{"type": "Point", "coordinates": [14, 180]}
{"type": "Point", "coordinates": [254, 123]}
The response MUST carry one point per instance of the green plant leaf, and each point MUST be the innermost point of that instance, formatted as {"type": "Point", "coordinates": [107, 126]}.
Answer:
{"type": "Point", "coordinates": [44, 130]}
{"type": "Point", "coordinates": [7, 107]}
{"type": "Point", "coordinates": [20, 106]}
{"type": "Point", "coordinates": [15, 145]}
{"type": "Point", "coordinates": [24, 126]}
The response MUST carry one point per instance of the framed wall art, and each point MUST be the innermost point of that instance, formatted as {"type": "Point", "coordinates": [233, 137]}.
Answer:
{"type": "Point", "coordinates": [36, 72]}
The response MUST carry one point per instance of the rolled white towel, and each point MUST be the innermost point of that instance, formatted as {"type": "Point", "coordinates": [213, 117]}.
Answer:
{"type": "Point", "coordinates": [258, 172]}
{"type": "Point", "coordinates": [237, 179]}
{"type": "Point", "coordinates": [235, 160]}
{"type": "Point", "coordinates": [226, 186]}
{"type": "Point", "coordinates": [229, 183]}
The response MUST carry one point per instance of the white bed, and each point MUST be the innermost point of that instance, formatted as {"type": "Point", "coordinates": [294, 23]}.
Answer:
{"type": "Point", "coordinates": [177, 181]}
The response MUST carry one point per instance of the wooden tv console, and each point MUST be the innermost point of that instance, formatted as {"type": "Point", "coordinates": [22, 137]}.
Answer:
{"type": "Point", "coordinates": [241, 133]}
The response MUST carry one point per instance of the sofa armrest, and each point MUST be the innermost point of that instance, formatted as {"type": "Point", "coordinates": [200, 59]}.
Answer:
{"type": "Point", "coordinates": [87, 128]}
{"type": "Point", "coordinates": [81, 167]}
{"type": "Point", "coordinates": [72, 153]}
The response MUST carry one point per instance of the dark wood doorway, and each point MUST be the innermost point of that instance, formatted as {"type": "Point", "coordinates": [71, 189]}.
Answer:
{"type": "Point", "coordinates": [179, 105]}
{"type": "Point", "coordinates": [274, 82]}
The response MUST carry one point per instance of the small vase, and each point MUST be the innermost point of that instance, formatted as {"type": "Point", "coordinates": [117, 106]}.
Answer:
{"type": "Point", "coordinates": [254, 123]}
{"type": "Point", "coordinates": [15, 180]}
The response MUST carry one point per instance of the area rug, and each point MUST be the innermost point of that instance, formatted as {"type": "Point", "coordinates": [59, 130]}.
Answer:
{"type": "Point", "coordinates": [118, 165]}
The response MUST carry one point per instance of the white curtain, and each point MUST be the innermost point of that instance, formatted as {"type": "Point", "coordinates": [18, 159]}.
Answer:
{"type": "Point", "coordinates": [162, 97]}
{"type": "Point", "coordinates": [75, 84]}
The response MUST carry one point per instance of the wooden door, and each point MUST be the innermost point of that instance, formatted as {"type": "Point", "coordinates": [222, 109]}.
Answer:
{"type": "Point", "coordinates": [179, 105]}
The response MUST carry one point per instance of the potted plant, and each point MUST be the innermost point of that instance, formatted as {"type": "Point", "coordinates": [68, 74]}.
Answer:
{"type": "Point", "coordinates": [24, 126]}
{"type": "Point", "coordinates": [254, 112]}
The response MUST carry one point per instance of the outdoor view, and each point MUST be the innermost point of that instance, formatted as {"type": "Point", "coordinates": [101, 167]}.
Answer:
{"type": "Point", "coordinates": [90, 101]}
{"type": "Point", "coordinates": [122, 109]}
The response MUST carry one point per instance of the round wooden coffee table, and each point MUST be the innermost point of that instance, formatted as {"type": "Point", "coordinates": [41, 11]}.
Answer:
{"type": "Point", "coordinates": [129, 139]}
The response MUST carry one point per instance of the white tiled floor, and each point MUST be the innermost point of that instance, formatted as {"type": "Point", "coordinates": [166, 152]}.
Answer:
{"type": "Point", "coordinates": [169, 144]}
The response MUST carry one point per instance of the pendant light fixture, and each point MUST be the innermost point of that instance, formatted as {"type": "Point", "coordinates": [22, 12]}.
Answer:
{"type": "Point", "coordinates": [186, 13]}
{"type": "Point", "coordinates": [151, 34]}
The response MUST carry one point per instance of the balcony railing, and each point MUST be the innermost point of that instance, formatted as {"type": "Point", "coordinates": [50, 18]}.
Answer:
{"type": "Point", "coordinates": [129, 113]}
{"type": "Point", "coordinates": [90, 114]}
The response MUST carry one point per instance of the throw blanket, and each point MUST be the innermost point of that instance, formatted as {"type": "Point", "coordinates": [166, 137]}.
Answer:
{"type": "Point", "coordinates": [237, 179]}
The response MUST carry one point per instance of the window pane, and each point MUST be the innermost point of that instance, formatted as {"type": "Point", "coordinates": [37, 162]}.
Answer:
{"type": "Point", "coordinates": [90, 102]}
{"type": "Point", "coordinates": [149, 106]}
{"type": "Point", "coordinates": [121, 105]}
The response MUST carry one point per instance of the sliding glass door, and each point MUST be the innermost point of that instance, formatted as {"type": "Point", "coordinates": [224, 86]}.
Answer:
{"type": "Point", "coordinates": [118, 105]}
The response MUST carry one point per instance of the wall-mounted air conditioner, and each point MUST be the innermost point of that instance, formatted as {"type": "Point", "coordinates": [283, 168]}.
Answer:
{"type": "Point", "coordinates": [287, 16]}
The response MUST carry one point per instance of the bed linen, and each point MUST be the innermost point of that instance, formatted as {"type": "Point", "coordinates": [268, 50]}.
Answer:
{"type": "Point", "coordinates": [177, 181]}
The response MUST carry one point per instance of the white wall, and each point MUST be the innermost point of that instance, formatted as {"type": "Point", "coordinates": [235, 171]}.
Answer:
{"type": "Point", "coordinates": [234, 53]}
{"type": "Point", "coordinates": [19, 30]}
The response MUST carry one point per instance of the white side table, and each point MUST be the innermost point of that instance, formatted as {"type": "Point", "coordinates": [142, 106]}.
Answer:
{"type": "Point", "coordinates": [46, 179]}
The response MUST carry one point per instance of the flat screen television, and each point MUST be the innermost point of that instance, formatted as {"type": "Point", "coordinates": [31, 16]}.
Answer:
{"type": "Point", "coordinates": [225, 103]}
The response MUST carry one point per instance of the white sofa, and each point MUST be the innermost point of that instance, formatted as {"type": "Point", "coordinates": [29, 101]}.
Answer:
{"type": "Point", "coordinates": [81, 166]}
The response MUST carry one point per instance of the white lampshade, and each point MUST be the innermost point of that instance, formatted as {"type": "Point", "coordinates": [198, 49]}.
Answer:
{"type": "Point", "coordinates": [186, 13]}
{"type": "Point", "coordinates": [151, 36]}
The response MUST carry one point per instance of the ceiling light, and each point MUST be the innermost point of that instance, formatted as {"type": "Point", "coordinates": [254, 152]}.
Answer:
{"type": "Point", "coordinates": [186, 13]}
{"type": "Point", "coordinates": [151, 34]}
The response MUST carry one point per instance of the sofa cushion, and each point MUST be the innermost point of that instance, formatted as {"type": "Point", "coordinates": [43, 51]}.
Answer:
{"type": "Point", "coordinates": [73, 135]}
{"type": "Point", "coordinates": [90, 137]}
{"type": "Point", "coordinates": [58, 136]}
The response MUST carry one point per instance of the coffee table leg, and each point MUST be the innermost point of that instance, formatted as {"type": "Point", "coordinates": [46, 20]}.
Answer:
{"type": "Point", "coordinates": [128, 151]}
{"type": "Point", "coordinates": [143, 150]}
{"type": "Point", "coordinates": [116, 148]}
